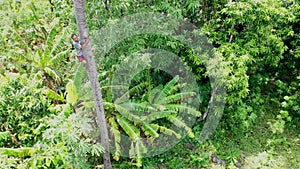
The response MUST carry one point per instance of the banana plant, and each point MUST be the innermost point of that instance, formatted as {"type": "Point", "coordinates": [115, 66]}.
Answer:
{"type": "Point", "coordinates": [47, 56]}
{"type": "Point", "coordinates": [76, 95]}
{"type": "Point", "coordinates": [141, 118]}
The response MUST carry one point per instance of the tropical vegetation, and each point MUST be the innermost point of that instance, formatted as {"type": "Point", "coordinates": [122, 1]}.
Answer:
{"type": "Point", "coordinates": [48, 116]}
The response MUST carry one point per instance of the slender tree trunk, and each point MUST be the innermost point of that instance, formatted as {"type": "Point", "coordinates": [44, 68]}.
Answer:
{"type": "Point", "coordinates": [93, 77]}
{"type": "Point", "coordinates": [106, 6]}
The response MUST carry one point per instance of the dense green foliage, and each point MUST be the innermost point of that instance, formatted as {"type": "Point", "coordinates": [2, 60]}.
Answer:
{"type": "Point", "coordinates": [47, 115]}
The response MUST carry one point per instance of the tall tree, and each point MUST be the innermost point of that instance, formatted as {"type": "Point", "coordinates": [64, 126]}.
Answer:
{"type": "Point", "coordinates": [93, 77]}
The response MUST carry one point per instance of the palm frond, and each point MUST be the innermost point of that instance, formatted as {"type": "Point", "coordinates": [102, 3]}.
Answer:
{"type": "Point", "coordinates": [132, 131]}
{"type": "Point", "coordinates": [117, 137]}
{"type": "Point", "coordinates": [181, 124]}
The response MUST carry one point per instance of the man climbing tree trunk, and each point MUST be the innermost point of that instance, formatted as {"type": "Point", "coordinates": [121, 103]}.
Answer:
{"type": "Point", "coordinates": [93, 77]}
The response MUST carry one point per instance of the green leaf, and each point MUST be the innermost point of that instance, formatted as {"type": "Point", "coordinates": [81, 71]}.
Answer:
{"type": "Point", "coordinates": [48, 162]}
{"type": "Point", "coordinates": [117, 137]}
{"type": "Point", "coordinates": [50, 39]}
{"type": "Point", "coordinates": [150, 131]}
{"type": "Point", "coordinates": [157, 115]}
{"type": "Point", "coordinates": [179, 96]}
{"type": "Point", "coordinates": [53, 95]}
{"type": "Point", "coordinates": [59, 57]}
{"type": "Point", "coordinates": [124, 98]}
{"type": "Point", "coordinates": [78, 76]}
{"type": "Point", "coordinates": [125, 113]}
{"type": "Point", "coordinates": [72, 95]}
{"type": "Point", "coordinates": [166, 130]}
{"type": "Point", "coordinates": [183, 108]}
{"type": "Point", "coordinates": [136, 152]}
{"type": "Point", "coordinates": [139, 107]}
{"type": "Point", "coordinates": [140, 149]}
{"type": "Point", "coordinates": [181, 124]}
{"type": "Point", "coordinates": [52, 73]}
{"type": "Point", "coordinates": [129, 129]}
{"type": "Point", "coordinates": [153, 94]}
{"type": "Point", "coordinates": [4, 135]}
{"type": "Point", "coordinates": [18, 152]}
{"type": "Point", "coordinates": [166, 89]}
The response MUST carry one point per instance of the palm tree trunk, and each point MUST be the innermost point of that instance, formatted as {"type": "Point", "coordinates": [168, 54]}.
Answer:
{"type": "Point", "coordinates": [93, 77]}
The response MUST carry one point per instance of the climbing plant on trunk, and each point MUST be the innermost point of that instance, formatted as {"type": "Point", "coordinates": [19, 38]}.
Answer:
{"type": "Point", "coordinates": [93, 77]}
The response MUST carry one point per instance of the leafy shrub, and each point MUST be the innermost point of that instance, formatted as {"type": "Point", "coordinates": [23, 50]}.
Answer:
{"type": "Point", "coordinates": [65, 143]}
{"type": "Point", "coordinates": [22, 105]}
